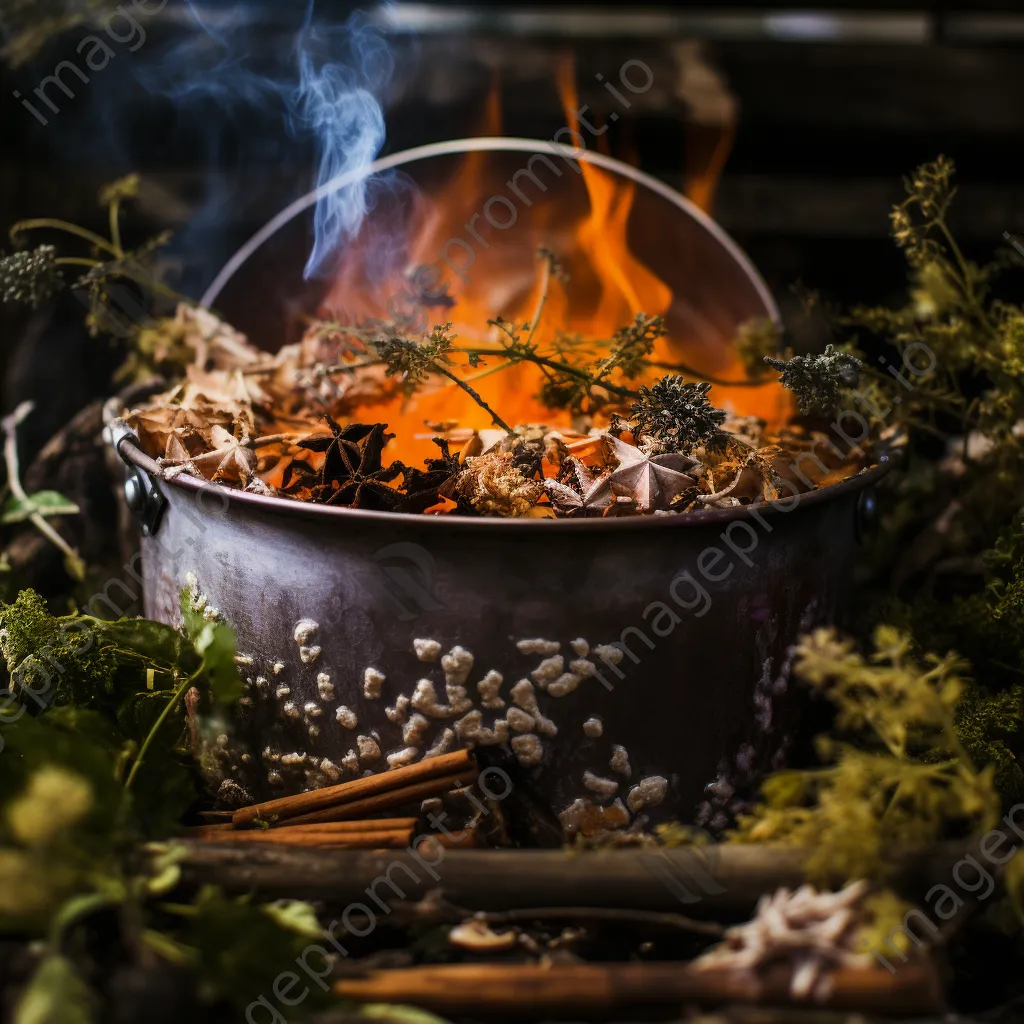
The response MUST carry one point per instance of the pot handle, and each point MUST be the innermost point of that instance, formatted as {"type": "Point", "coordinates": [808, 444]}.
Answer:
{"type": "Point", "coordinates": [141, 493]}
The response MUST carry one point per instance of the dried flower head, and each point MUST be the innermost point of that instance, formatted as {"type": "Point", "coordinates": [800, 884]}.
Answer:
{"type": "Point", "coordinates": [818, 381]}
{"type": "Point", "coordinates": [673, 416]}
{"type": "Point", "coordinates": [415, 360]}
{"type": "Point", "coordinates": [29, 277]}
{"type": "Point", "coordinates": [494, 485]}
{"type": "Point", "coordinates": [929, 192]}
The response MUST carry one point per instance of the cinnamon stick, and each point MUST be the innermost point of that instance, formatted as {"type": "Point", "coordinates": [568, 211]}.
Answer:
{"type": "Point", "coordinates": [535, 990]}
{"type": "Point", "coordinates": [359, 825]}
{"type": "Point", "coordinates": [356, 789]}
{"type": "Point", "coordinates": [383, 801]}
{"type": "Point", "coordinates": [389, 839]}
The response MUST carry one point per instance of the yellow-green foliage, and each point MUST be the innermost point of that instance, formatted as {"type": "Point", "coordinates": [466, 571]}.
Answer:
{"type": "Point", "coordinates": [908, 783]}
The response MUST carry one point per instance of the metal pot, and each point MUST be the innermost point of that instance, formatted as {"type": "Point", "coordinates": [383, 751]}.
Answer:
{"type": "Point", "coordinates": [655, 647]}
{"type": "Point", "coordinates": [685, 621]}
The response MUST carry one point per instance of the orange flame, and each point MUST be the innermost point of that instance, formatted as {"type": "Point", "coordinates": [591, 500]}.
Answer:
{"type": "Point", "coordinates": [497, 274]}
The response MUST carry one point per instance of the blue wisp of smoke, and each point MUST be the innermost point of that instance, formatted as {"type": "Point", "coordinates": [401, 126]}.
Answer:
{"type": "Point", "coordinates": [337, 102]}
{"type": "Point", "coordinates": [323, 90]}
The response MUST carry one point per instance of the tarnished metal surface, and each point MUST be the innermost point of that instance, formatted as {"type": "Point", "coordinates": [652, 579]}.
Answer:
{"type": "Point", "coordinates": [699, 697]}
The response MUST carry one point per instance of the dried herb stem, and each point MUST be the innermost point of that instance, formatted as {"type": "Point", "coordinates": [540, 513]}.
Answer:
{"type": "Point", "coordinates": [75, 564]}
{"type": "Point", "coordinates": [475, 395]}
{"type": "Point", "coordinates": [114, 214]}
{"type": "Point", "coordinates": [170, 706]}
{"type": "Point", "coordinates": [42, 223]}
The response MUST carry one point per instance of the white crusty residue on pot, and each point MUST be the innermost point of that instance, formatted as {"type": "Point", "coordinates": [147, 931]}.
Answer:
{"type": "Point", "coordinates": [325, 686]}
{"type": "Point", "coordinates": [424, 698]}
{"type": "Point", "coordinates": [457, 664]}
{"type": "Point", "coordinates": [535, 645]}
{"type": "Point", "coordinates": [593, 727]}
{"type": "Point", "coordinates": [407, 755]}
{"type": "Point", "coordinates": [647, 792]}
{"type": "Point", "coordinates": [583, 667]}
{"type": "Point", "coordinates": [608, 653]}
{"type": "Point", "coordinates": [584, 810]}
{"type": "Point", "coordinates": [528, 749]}
{"type": "Point", "coordinates": [564, 684]}
{"type": "Point", "coordinates": [305, 630]}
{"type": "Point", "coordinates": [396, 715]}
{"type": "Point", "coordinates": [373, 680]}
{"type": "Point", "coordinates": [488, 688]}
{"type": "Point", "coordinates": [525, 696]}
{"type": "Point", "coordinates": [548, 670]}
{"type": "Point", "coordinates": [426, 649]}
{"type": "Point", "coordinates": [620, 761]}
{"type": "Point", "coordinates": [346, 717]}
{"type": "Point", "coordinates": [369, 749]}
{"type": "Point", "coordinates": [414, 731]}
{"type": "Point", "coordinates": [519, 720]}
{"type": "Point", "coordinates": [471, 731]}
{"type": "Point", "coordinates": [599, 784]}
{"type": "Point", "coordinates": [459, 701]}
{"type": "Point", "coordinates": [444, 743]}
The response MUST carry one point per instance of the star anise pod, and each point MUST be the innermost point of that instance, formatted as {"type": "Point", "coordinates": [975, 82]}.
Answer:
{"type": "Point", "coordinates": [353, 474]}
{"type": "Point", "coordinates": [422, 487]}
{"type": "Point", "coordinates": [578, 492]}
{"type": "Point", "coordinates": [652, 483]}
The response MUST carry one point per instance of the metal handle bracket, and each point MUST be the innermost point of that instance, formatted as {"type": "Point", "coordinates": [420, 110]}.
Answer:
{"type": "Point", "coordinates": [141, 493]}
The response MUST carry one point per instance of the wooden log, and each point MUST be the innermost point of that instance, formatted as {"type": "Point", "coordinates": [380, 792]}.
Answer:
{"type": "Point", "coordinates": [356, 789]}
{"type": "Point", "coordinates": [378, 802]}
{"type": "Point", "coordinates": [722, 881]}
{"type": "Point", "coordinates": [536, 990]}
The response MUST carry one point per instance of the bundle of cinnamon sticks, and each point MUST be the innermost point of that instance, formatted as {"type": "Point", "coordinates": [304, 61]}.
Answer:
{"type": "Point", "coordinates": [343, 816]}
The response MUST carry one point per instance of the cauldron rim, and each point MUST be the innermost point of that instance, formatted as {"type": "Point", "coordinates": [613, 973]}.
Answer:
{"type": "Point", "coordinates": [289, 507]}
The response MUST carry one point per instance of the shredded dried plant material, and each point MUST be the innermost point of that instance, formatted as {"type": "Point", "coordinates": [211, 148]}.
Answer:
{"type": "Point", "coordinates": [812, 932]}
{"type": "Point", "coordinates": [290, 425]}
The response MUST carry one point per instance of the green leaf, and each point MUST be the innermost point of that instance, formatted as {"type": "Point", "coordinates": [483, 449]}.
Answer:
{"type": "Point", "coordinates": [296, 916]}
{"type": "Point", "coordinates": [394, 1013]}
{"type": "Point", "coordinates": [46, 503]}
{"type": "Point", "coordinates": [74, 909]}
{"type": "Point", "coordinates": [216, 643]}
{"type": "Point", "coordinates": [55, 995]}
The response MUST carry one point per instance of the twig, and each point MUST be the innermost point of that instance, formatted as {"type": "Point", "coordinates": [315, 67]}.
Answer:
{"type": "Point", "coordinates": [475, 395]}
{"type": "Point", "coordinates": [42, 223]}
{"type": "Point", "coordinates": [75, 565]}
{"type": "Point", "coordinates": [115, 224]}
